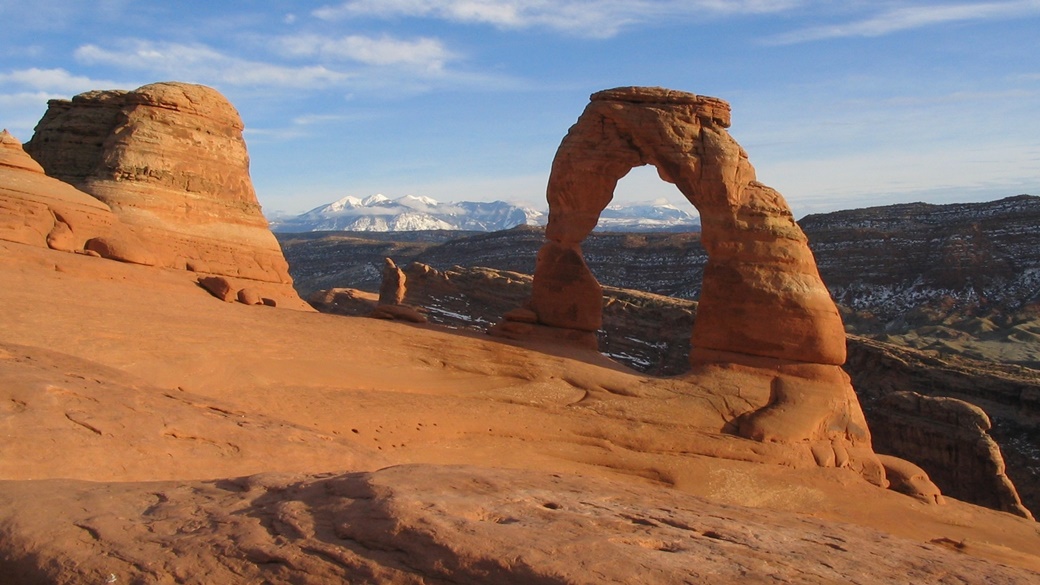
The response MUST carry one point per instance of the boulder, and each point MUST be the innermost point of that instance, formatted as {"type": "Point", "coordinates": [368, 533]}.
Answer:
{"type": "Point", "coordinates": [343, 301]}
{"type": "Point", "coordinates": [220, 287]}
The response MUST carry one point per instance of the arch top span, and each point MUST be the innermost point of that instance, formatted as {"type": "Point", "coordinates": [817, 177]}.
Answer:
{"type": "Point", "coordinates": [710, 107]}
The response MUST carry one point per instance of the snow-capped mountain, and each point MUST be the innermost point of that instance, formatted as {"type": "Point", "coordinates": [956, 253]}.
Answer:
{"type": "Point", "coordinates": [657, 215]}
{"type": "Point", "coordinates": [379, 213]}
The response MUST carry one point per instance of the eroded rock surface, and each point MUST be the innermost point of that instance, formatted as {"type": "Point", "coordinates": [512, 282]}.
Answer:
{"type": "Point", "coordinates": [762, 294]}
{"type": "Point", "coordinates": [448, 524]}
{"type": "Point", "coordinates": [42, 211]}
{"type": "Point", "coordinates": [170, 161]}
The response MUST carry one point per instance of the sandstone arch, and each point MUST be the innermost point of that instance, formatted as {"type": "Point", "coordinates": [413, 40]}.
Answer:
{"type": "Point", "coordinates": [763, 308]}
{"type": "Point", "coordinates": [761, 294]}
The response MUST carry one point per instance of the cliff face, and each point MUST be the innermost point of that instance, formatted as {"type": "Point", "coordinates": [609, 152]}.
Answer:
{"type": "Point", "coordinates": [170, 161]}
{"type": "Point", "coordinates": [949, 439]}
{"type": "Point", "coordinates": [901, 266]}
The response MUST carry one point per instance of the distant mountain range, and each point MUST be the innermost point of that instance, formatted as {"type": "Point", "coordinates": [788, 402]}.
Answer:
{"type": "Point", "coordinates": [379, 213]}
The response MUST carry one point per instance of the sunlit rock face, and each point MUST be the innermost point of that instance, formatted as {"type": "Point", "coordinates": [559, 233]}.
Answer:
{"type": "Point", "coordinates": [170, 161]}
{"type": "Point", "coordinates": [42, 211]}
{"type": "Point", "coordinates": [763, 305]}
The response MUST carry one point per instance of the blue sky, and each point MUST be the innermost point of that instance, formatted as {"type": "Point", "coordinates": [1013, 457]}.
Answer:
{"type": "Point", "coordinates": [839, 103]}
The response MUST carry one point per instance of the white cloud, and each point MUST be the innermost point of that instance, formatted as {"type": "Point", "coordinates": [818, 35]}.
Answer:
{"type": "Point", "coordinates": [54, 80]}
{"type": "Point", "coordinates": [904, 18]}
{"type": "Point", "coordinates": [594, 18]}
{"type": "Point", "coordinates": [28, 90]}
{"type": "Point", "coordinates": [201, 63]}
{"type": "Point", "coordinates": [421, 53]}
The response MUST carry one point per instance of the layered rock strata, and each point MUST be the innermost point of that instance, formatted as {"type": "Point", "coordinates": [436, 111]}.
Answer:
{"type": "Point", "coordinates": [762, 303]}
{"type": "Point", "coordinates": [949, 439]}
{"type": "Point", "coordinates": [170, 161]}
{"type": "Point", "coordinates": [42, 211]}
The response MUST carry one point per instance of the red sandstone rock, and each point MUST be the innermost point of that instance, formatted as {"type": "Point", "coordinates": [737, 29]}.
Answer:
{"type": "Point", "coordinates": [565, 293]}
{"type": "Point", "coordinates": [250, 296]}
{"type": "Point", "coordinates": [761, 294]}
{"type": "Point", "coordinates": [41, 211]}
{"type": "Point", "coordinates": [124, 248]}
{"type": "Point", "coordinates": [218, 286]}
{"type": "Point", "coordinates": [762, 302]}
{"type": "Point", "coordinates": [343, 301]}
{"type": "Point", "coordinates": [170, 160]}
{"type": "Point", "coordinates": [909, 479]}
{"type": "Point", "coordinates": [394, 287]}
{"type": "Point", "coordinates": [408, 524]}
{"type": "Point", "coordinates": [949, 438]}
{"type": "Point", "coordinates": [398, 313]}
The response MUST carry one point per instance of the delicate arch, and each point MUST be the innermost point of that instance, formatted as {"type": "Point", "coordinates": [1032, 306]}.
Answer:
{"type": "Point", "coordinates": [761, 293]}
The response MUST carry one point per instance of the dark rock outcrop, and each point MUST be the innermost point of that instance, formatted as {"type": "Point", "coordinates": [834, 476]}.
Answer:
{"type": "Point", "coordinates": [948, 438]}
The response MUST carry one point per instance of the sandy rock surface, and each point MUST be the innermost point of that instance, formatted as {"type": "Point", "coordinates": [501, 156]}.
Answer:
{"type": "Point", "coordinates": [451, 524]}
{"type": "Point", "coordinates": [134, 403]}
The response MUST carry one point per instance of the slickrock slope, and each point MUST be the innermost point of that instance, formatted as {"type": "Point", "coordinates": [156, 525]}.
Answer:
{"type": "Point", "coordinates": [170, 161]}
{"type": "Point", "coordinates": [137, 412]}
{"type": "Point", "coordinates": [649, 333]}
{"type": "Point", "coordinates": [458, 524]}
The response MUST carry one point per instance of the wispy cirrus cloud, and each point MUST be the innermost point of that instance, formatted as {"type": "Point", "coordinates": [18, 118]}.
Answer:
{"type": "Point", "coordinates": [25, 92]}
{"type": "Point", "coordinates": [57, 81]}
{"type": "Point", "coordinates": [422, 53]}
{"type": "Point", "coordinates": [304, 62]}
{"type": "Point", "coordinates": [902, 18]}
{"type": "Point", "coordinates": [201, 63]}
{"type": "Point", "coordinates": [591, 18]}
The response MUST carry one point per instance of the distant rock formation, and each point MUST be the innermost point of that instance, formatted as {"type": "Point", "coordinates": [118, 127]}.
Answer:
{"type": "Point", "coordinates": [949, 439]}
{"type": "Point", "coordinates": [170, 161]}
{"type": "Point", "coordinates": [762, 303]}
{"type": "Point", "coordinates": [392, 294]}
